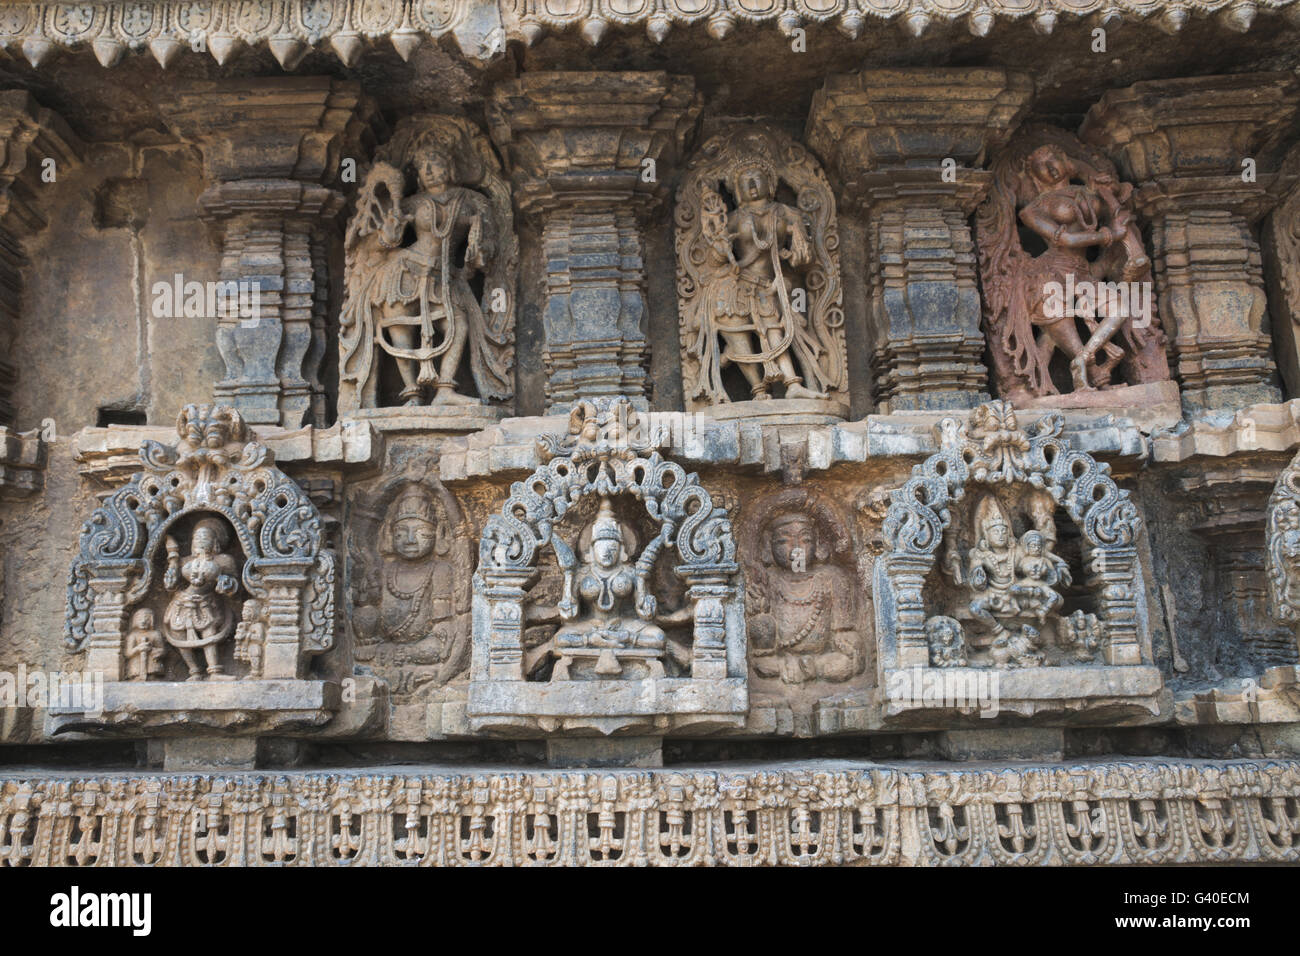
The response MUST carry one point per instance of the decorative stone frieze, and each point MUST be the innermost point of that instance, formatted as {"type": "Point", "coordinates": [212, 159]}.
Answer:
{"type": "Point", "coordinates": [591, 155]}
{"type": "Point", "coordinates": [1282, 555]}
{"type": "Point", "coordinates": [1200, 149]}
{"type": "Point", "coordinates": [628, 644]}
{"type": "Point", "coordinates": [758, 281]}
{"type": "Point", "coordinates": [1130, 812]}
{"type": "Point", "coordinates": [972, 576]}
{"type": "Point", "coordinates": [271, 150]}
{"type": "Point", "coordinates": [906, 147]}
{"type": "Point", "coordinates": [206, 584]}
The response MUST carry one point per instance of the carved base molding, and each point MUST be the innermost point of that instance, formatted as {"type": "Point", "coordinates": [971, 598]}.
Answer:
{"type": "Point", "coordinates": [1134, 812]}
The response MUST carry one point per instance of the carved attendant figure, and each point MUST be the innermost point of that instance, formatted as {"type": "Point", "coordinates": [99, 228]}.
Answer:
{"type": "Point", "coordinates": [1038, 574]}
{"type": "Point", "coordinates": [421, 586]}
{"type": "Point", "coordinates": [758, 281]}
{"type": "Point", "coordinates": [808, 607]}
{"type": "Point", "coordinates": [144, 647]}
{"type": "Point", "coordinates": [410, 260]}
{"type": "Point", "coordinates": [202, 614]}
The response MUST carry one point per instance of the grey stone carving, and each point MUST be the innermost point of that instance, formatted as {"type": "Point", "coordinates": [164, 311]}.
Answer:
{"type": "Point", "coordinates": [255, 564]}
{"type": "Point", "coordinates": [622, 656]}
{"type": "Point", "coordinates": [982, 513]}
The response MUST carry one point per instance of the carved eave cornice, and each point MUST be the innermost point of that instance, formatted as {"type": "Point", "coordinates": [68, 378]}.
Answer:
{"type": "Point", "coordinates": [1257, 428]}
{"type": "Point", "coordinates": [29, 134]}
{"type": "Point", "coordinates": [290, 29]}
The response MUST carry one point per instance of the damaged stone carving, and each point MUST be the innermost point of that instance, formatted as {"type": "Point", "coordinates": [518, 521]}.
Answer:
{"type": "Point", "coordinates": [411, 569]}
{"type": "Point", "coordinates": [758, 278]}
{"type": "Point", "coordinates": [805, 598]}
{"type": "Point", "coordinates": [1283, 552]}
{"type": "Point", "coordinates": [1052, 193]}
{"type": "Point", "coordinates": [433, 216]}
{"type": "Point", "coordinates": [626, 644]}
{"type": "Point", "coordinates": [1008, 593]}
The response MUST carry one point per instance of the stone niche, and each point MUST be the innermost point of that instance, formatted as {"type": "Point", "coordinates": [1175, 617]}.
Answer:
{"type": "Point", "coordinates": [427, 329]}
{"type": "Point", "coordinates": [636, 624]}
{"type": "Point", "coordinates": [202, 589]}
{"type": "Point", "coordinates": [1012, 558]}
{"type": "Point", "coordinates": [758, 277]}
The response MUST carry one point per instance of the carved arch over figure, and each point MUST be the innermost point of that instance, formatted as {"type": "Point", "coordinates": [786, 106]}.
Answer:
{"type": "Point", "coordinates": [992, 451]}
{"type": "Point", "coordinates": [605, 457]}
{"type": "Point", "coordinates": [216, 468]}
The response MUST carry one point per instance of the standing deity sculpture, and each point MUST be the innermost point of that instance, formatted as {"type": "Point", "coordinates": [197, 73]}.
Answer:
{"type": "Point", "coordinates": [412, 596]}
{"type": "Point", "coordinates": [433, 218]}
{"type": "Point", "coordinates": [1064, 270]}
{"type": "Point", "coordinates": [805, 597]}
{"type": "Point", "coordinates": [758, 278]}
{"type": "Point", "coordinates": [202, 613]}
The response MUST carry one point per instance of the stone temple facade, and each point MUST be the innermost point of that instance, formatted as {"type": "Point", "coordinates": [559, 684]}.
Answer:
{"type": "Point", "coordinates": [649, 432]}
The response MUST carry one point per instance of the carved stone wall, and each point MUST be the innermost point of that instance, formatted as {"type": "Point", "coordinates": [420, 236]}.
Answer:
{"type": "Point", "coordinates": [638, 389]}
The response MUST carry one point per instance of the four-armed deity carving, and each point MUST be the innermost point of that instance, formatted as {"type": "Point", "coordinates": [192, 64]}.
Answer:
{"type": "Point", "coordinates": [758, 278]}
{"type": "Point", "coordinates": [433, 218]}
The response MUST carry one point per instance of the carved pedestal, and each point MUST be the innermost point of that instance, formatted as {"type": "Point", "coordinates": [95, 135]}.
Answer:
{"type": "Point", "coordinates": [271, 148]}
{"type": "Point", "coordinates": [590, 154]}
{"type": "Point", "coordinates": [906, 150]}
{"type": "Point", "coordinates": [1200, 150]}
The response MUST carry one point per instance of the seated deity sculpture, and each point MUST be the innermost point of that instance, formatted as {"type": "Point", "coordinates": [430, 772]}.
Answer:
{"type": "Point", "coordinates": [411, 264]}
{"type": "Point", "coordinates": [1049, 186]}
{"type": "Point", "coordinates": [201, 615]}
{"type": "Point", "coordinates": [805, 625]}
{"type": "Point", "coordinates": [759, 279]}
{"type": "Point", "coordinates": [606, 607]}
{"type": "Point", "coordinates": [412, 603]}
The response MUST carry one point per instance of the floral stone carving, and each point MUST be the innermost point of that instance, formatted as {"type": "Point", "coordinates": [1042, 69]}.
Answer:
{"type": "Point", "coordinates": [758, 279]}
{"type": "Point", "coordinates": [976, 573]}
{"type": "Point", "coordinates": [631, 641]}
{"type": "Point", "coordinates": [1087, 295]}
{"type": "Point", "coordinates": [217, 558]}
{"type": "Point", "coordinates": [433, 214]}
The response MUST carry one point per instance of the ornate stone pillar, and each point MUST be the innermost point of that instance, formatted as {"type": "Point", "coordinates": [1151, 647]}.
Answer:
{"type": "Point", "coordinates": [1198, 149]}
{"type": "Point", "coordinates": [35, 144]}
{"type": "Point", "coordinates": [271, 149]}
{"type": "Point", "coordinates": [906, 146]}
{"type": "Point", "coordinates": [590, 154]}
